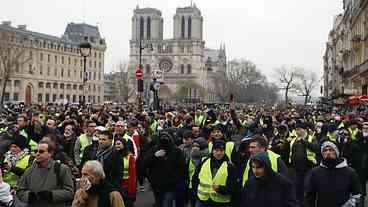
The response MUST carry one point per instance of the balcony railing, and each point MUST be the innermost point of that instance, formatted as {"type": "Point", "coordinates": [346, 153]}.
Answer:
{"type": "Point", "coordinates": [356, 70]}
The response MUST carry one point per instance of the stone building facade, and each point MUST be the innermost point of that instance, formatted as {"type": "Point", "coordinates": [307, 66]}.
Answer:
{"type": "Point", "coordinates": [182, 63]}
{"type": "Point", "coordinates": [54, 72]}
{"type": "Point", "coordinates": [346, 55]}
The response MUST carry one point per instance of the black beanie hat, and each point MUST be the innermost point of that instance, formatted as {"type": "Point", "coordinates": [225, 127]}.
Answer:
{"type": "Point", "coordinates": [20, 141]}
{"type": "Point", "coordinates": [219, 144]}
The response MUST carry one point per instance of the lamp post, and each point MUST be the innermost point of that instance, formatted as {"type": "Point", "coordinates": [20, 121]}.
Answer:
{"type": "Point", "coordinates": [155, 87]}
{"type": "Point", "coordinates": [140, 81]}
{"type": "Point", "coordinates": [85, 50]}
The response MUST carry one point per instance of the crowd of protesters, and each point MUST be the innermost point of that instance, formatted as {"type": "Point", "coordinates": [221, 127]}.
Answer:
{"type": "Point", "coordinates": [191, 155]}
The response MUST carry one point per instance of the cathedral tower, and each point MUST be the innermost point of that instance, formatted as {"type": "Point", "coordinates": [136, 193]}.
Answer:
{"type": "Point", "coordinates": [147, 24]}
{"type": "Point", "coordinates": [188, 23]}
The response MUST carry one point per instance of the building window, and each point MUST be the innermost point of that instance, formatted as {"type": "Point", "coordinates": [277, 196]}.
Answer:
{"type": "Point", "coordinates": [41, 56]}
{"type": "Point", "coordinates": [56, 59]}
{"type": "Point", "coordinates": [95, 55]}
{"type": "Point", "coordinates": [55, 86]}
{"type": "Point", "coordinates": [48, 57]}
{"type": "Point", "coordinates": [148, 28]}
{"type": "Point", "coordinates": [41, 69]}
{"type": "Point", "coordinates": [55, 72]}
{"type": "Point", "coordinates": [30, 70]}
{"type": "Point", "coordinates": [182, 68]}
{"type": "Point", "coordinates": [53, 97]}
{"type": "Point", "coordinates": [48, 85]}
{"type": "Point", "coordinates": [75, 87]}
{"type": "Point", "coordinates": [68, 97]}
{"type": "Point", "coordinates": [74, 98]}
{"type": "Point", "coordinates": [75, 61]}
{"type": "Point", "coordinates": [182, 27]}
{"type": "Point", "coordinates": [68, 73]}
{"type": "Point", "coordinates": [16, 97]}
{"type": "Point", "coordinates": [40, 97]}
{"type": "Point", "coordinates": [40, 85]}
{"type": "Point", "coordinates": [189, 27]}
{"type": "Point", "coordinates": [75, 73]}
{"type": "Point", "coordinates": [61, 85]}
{"type": "Point", "coordinates": [68, 86]}
{"type": "Point", "coordinates": [62, 59]}
{"type": "Point", "coordinates": [62, 72]}
{"type": "Point", "coordinates": [99, 99]}
{"type": "Point", "coordinates": [148, 69]}
{"type": "Point", "coordinates": [80, 98]}
{"type": "Point", "coordinates": [90, 63]}
{"type": "Point", "coordinates": [17, 83]}
{"type": "Point", "coordinates": [48, 70]}
{"type": "Point", "coordinates": [6, 97]}
{"type": "Point", "coordinates": [68, 60]}
{"type": "Point", "coordinates": [47, 98]}
{"type": "Point", "coordinates": [94, 88]}
{"type": "Point", "coordinates": [94, 75]}
{"type": "Point", "coordinates": [189, 69]}
{"type": "Point", "coordinates": [99, 76]}
{"type": "Point", "coordinates": [141, 29]}
{"type": "Point", "coordinates": [81, 87]}
{"type": "Point", "coordinates": [94, 64]}
{"type": "Point", "coordinates": [94, 99]}
{"type": "Point", "coordinates": [61, 96]}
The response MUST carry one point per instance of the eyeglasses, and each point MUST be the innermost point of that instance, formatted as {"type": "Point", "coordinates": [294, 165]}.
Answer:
{"type": "Point", "coordinates": [41, 151]}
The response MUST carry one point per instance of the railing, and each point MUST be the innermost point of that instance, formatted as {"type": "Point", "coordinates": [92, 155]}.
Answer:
{"type": "Point", "coordinates": [357, 69]}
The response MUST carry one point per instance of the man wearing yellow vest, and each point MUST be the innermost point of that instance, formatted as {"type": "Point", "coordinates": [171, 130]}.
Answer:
{"type": "Point", "coordinates": [353, 129]}
{"type": "Point", "coordinates": [215, 179]}
{"type": "Point", "coordinates": [23, 129]}
{"type": "Point", "coordinates": [302, 157]}
{"type": "Point", "coordinates": [16, 160]}
{"type": "Point", "coordinates": [83, 141]}
{"type": "Point", "coordinates": [257, 145]}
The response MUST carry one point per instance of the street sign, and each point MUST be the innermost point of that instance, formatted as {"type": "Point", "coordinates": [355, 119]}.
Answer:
{"type": "Point", "coordinates": [139, 74]}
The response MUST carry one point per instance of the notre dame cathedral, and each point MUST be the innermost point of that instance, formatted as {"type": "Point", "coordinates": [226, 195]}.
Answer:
{"type": "Point", "coordinates": [183, 63]}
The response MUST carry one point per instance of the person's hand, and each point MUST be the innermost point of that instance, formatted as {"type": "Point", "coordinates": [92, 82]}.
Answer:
{"type": "Point", "coordinates": [160, 153]}
{"type": "Point", "coordinates": [45, 195]}
{"type": "Point", "coordinates": [85, 184]}
{"type": "Point", "coordinates": [216, 188]}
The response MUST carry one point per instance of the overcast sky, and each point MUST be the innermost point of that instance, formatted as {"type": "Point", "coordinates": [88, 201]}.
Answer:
{"type": "Point", "coordinates": [270, 33]}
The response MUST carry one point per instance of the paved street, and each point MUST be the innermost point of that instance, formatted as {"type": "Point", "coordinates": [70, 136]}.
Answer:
{"type": "Point", "coordinates": [145, 199]}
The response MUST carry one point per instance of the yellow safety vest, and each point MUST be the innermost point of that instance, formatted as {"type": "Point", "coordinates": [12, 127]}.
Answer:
{"type": "Point", "coordinates": [84, 142]}
{"type": "Point", "coordinates": [353, 133]}
{"type": "Point", "coordinates": [153, 127]}
{"type": "Point", "coordinates": [12, 178]}
{"type": "Point", "coordinates": [191, 171]}
{"type": "Point", "coordinates": [273, 159]}
{"type": "Point", "coordinates": [207, 181]}
{"type": "Point", "coordinates": [228, 149]}
{"type": "Point", "coordinates": [311, 156]}
{"type": "Point", "coordinates": [126, 167]}
{"type": "Point", "coordinates": [32, 144]}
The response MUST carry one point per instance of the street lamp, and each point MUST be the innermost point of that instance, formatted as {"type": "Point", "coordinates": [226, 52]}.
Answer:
{"type": "Point", "coordinates": [85, 50]}
{"type": "Point", "coordinates": [155, 87]}
{"type": "Point", "coordinates": [140, 82]}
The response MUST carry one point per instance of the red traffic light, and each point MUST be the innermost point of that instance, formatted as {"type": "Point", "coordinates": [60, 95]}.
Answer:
{"type": "Point", "coordinates": [139, 74]}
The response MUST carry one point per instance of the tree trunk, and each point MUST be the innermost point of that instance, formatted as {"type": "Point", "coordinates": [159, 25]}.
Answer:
{"type": "Point", "coordinates": [306, 99]}
{"type": "Point", "coordinates": [3, 91]}
{"type": "Point", "coordinates": [286, 96]}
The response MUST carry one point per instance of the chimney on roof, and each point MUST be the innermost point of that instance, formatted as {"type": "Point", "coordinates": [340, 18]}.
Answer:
{"type": "Point", "coordinates": [6, 23]}
{"type": "Point", "coordinates": [22, 27]}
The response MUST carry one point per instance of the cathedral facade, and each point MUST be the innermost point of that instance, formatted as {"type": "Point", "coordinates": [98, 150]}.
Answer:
{"type": "Point", "coordinates": [183, 64]}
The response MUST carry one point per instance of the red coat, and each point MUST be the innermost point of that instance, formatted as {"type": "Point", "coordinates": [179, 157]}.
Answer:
{"type": "Point", "coordinates": [130, 184]}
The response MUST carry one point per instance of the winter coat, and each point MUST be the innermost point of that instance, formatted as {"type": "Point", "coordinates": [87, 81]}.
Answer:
{"type": "Point", "coordinates": [36, 179]}
{"type": "Point", "coordinates": [360, 163]}
{"type": "Point", "coordinates": [83, 198]}
{"type": "Point", "coordinates": [271, 190]}
{"type": "Point", "coordinates": [165, 173]}
{"type": "Point", "coordinates": [331, 187]}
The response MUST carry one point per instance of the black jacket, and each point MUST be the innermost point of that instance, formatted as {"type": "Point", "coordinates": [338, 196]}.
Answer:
{"type": "Point", "coordinates": [165, 173]}
{"type": "Point", "coordinates": [271, 190]}
{"type": "Point", "coordinates": [331, 187]}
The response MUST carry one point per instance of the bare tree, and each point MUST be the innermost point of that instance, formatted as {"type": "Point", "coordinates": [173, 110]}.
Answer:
{"type": "Point", "coordinates": [305, 83]}
{"type": "Point", "coordinates": [12, 57]}
{"type": "Point", "coordinates": [245, 81]}
{"type": "Point", "coordinates": [287, 78]}
{"type": "Point", "coordinates": [124, 82]}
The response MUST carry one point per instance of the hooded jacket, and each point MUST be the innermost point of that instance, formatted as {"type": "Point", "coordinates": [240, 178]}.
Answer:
{"type": "Point", "coordinates": [165, 173]}
{"type": "Point", "coordinates": [331, 186]}
{"type": "Point", "coordinates": [271, 190]}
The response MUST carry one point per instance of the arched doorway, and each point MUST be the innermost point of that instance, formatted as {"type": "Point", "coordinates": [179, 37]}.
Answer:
{"type": "Point", "coordinates": [28, 99]}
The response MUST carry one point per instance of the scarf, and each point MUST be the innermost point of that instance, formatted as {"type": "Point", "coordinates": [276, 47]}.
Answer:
{"type": "Point", "coordinates": [103, 191]}
{"type": "Point", "coordinates": [104, 154]}
{"type": "Point", "coordinates": [13, 158]}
